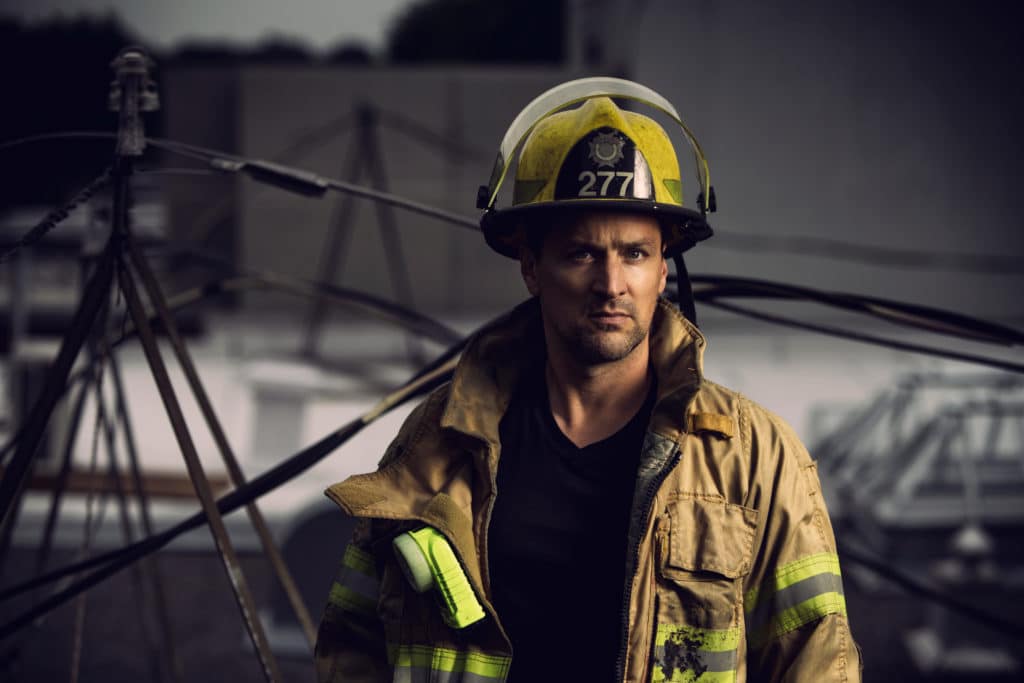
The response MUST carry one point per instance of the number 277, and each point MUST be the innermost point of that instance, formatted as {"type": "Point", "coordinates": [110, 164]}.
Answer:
{"type": "Point", "coordinates": [589, 179]}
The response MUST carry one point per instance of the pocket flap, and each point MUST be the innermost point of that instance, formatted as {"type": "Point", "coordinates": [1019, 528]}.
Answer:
{"type": "Point", "coordinates": [710, 535]}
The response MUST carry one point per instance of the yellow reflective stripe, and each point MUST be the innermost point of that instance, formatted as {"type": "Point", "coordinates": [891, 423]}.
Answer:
{"type": "Point", "coordinates": [347, 599]}
{"type": "Point", "coordinates": [355, 588]}
{"type": "Point", "coordinates": [360, 560]}
{"type": "Point", "coordinates": [796, 616]}
{"type": "Point", "coordinates": [789, 574]}
{"type": "Point", "coordinates": [449, 660]}
{"type": "Point", "coordinates": [686, 653]}
{"type": "Point", "coordinates": [809, 610]}
{"type": "Point", "coordinates": [690, 676]}
{"type": "Point", "coordinates": [799, 592]}
{"type": "Point", "coordinates": [710, 639]}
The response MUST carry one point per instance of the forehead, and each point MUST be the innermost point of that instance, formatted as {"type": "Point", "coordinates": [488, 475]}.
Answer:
{"type": "Point", "coordinates": [607, 228]}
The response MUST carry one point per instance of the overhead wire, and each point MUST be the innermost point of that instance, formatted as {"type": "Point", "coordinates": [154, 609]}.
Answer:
{"type": "Point", "coordinates": [58, 215]}
{"type": "Point", "coordinates": [850, 335]}
{"type": "Point", "coordinates": [885, 257]}
{"type": "Point", "coordinates": [404, 316]}
{"type": "Point", "coordinates": [800, 245]}
{"type": "Point", "coordinates": [437, 373]}
{"type": "Point", "coordinates": [913, 315]}
{"type": "Point", "coordinates": [884, 568]}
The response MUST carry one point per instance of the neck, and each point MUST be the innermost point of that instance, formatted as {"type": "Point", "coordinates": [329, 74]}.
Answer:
{"type": "Point", "coordinates": [592, 402]}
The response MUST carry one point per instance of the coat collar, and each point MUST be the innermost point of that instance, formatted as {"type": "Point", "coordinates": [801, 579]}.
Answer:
{"type": "Point", "coordinates": [499, 353]}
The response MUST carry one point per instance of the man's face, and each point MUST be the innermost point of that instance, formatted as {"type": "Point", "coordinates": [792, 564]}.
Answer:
{"type": "Point", "coordinates": [598, 281]}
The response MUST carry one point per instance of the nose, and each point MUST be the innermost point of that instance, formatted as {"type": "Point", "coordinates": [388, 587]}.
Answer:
{"type": "Point", "coordinates": [610, 277]}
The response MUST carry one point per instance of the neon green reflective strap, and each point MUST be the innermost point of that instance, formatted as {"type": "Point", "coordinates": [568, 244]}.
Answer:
{"type": "Point", "coordinates": [800, 592]}
{"type": "Point", "coordinates": [441, 659]}
{"type": "Point", "coordinates": [686, 653]}
{"type": "Point", "coordinates": [359, 560]}
{"type": "Point", "coordinates": [691, 676]}
{"type": "Point", "coordinates": [356, 587]}
{"type": "Point", "coordinates": [789, 574]}
{"type": "Point", "coordinates": [807, 611]}
{"type": "Point", "coordinates": [709, 639]}
{"type": "Point", "coordinates": [351, 601]}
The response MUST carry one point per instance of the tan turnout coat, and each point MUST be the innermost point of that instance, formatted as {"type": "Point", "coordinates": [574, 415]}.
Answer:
{"type": "Point", "coordinates": [731, 566]}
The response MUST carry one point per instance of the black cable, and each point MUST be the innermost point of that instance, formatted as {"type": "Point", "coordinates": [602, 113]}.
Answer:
{"type": "Point", "coordinates": [883, 567]}
{"type": "Point", "coordinates": [888, 257]}
{"type": "Point", "coordinates": [404, 316]}
{"type": "Point", "coordinates": [57, 216]}
{"type": "Point", "coordinates": [870, 339]}
{"type": "Point", "coordinates": [293, 466]}
{"type": "Point", "coordinates": [183, 148]}
{"type": "Point", "coordinates": [94, 297]}
{"type": "Point", "coordinates": [684, 290]}
{"type": "Point", "coordinates": [65, 135]}
{"type": "Point", "coordinates": [800, 245]}
{"type": "Point", "coordinates": [914, 315]}
{"type": "Point", "coordinates": [171, 171]}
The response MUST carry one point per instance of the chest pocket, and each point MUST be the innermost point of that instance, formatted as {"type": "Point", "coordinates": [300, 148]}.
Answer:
{"type": "Point", "coordinates": [704, 547]}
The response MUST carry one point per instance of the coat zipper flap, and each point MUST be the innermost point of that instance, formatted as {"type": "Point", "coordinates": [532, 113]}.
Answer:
{"type": "Point", "coordinates": [660, 457]}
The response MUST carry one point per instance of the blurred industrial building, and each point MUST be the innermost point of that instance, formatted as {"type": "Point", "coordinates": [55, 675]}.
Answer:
{"type": "Point", "coordinates": [850, 154]}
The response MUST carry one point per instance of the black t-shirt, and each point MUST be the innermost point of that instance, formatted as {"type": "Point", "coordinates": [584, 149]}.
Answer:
{"type": "Point", "coordinates": [557, 540]}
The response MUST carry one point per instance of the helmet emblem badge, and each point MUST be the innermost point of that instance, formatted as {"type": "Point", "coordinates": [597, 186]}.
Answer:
{"type": "Point", "coordinates": [606, 149]}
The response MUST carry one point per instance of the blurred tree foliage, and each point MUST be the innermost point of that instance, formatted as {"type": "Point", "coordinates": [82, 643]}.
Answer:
{"type": "Point", "coordinates": [470, 31]}
{"type": "Point", "coordinates": [57, 73]}
{"type": "Point", "coordinates": [55, 77]}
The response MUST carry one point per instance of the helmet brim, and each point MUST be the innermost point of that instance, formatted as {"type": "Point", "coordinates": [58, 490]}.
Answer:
{"type": "Point", "coordinates": [682, 228]}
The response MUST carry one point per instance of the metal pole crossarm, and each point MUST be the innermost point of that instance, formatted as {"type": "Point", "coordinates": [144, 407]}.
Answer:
{"type": "Point", "coordinates": [170, 649]}
{"type": "Point", "coordinates": [277, 561]}
{"type": "Point", "coordinates": [56, 379]}
{"type": "Point", "coordinates": [229, 559]}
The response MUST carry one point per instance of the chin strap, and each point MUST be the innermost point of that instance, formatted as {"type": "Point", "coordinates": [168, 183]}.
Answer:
{"type": "Point", "coordinates": [684, 292]}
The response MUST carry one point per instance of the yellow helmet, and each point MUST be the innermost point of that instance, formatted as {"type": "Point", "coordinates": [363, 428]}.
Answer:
{"type": "Point", "coordinates": [596, 156]}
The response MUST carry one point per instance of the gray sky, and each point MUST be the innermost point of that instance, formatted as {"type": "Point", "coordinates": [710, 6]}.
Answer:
{"type": "Point", "coordinates": [322, 23]}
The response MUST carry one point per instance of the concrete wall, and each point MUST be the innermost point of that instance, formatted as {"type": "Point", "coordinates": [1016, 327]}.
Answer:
{"type": "Point", "coordinates": [891, 124]}
{"type": "Point", "coordinates": [450, 269]}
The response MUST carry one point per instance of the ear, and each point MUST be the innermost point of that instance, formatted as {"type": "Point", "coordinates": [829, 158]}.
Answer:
{"type": "Point", "coordinates": [528, 269]}
{"type": "Point", "coordinates": [663, 275]}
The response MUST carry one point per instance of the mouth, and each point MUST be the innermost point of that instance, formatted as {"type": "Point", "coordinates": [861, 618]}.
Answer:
{"type": "Point", "coordinates": [609, 317]}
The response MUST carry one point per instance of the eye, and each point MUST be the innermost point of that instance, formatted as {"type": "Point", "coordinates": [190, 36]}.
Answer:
{"type": "Point", "coordinates": [580, 255]}
{"type": "Point", "coordinates": [636, 254]}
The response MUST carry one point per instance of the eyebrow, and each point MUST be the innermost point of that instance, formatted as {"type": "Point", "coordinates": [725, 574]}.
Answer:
{"type": "Point", "coordinates": [616, 245]}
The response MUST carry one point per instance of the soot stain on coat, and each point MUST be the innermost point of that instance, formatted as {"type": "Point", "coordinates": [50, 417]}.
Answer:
{"type": "Point", "coordinates": [681, 652]}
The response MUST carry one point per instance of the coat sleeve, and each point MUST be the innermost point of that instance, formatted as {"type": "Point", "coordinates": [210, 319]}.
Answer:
{"type": "Point", "coordinates": [351, 644]}
{"type": "Point", "coordinates": [795, 610]}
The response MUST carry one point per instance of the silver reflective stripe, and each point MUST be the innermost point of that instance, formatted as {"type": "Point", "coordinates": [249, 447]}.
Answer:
{"type": "Point", "coordinates": [357, 582]}
{"type": "Point", "coordinates": [696, 660]}
{"type": "Point", "coordinates": [793, 595]}
{"type": "Point", "coordinates": [425, 675]}
{"type": "Point", "coordinates": [430, 664]}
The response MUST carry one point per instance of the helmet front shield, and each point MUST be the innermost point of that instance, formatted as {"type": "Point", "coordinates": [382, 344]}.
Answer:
{"type": "Point", "coordinates": [566, 95]}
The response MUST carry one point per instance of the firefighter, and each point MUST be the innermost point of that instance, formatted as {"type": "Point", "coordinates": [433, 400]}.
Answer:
{"type": "Point", "coordinates": [579, 503]}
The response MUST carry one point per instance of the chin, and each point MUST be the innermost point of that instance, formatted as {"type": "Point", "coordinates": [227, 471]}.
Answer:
{"type": "Point", "coordinates": [606, 347]}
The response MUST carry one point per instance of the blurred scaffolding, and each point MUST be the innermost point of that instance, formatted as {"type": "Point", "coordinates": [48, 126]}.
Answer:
{"type": "Point", "coordinates": [930, 476]}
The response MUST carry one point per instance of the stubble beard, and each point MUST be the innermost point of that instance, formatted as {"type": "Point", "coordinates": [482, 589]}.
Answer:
{"type": "Point", "coordinates": [598, 347]}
